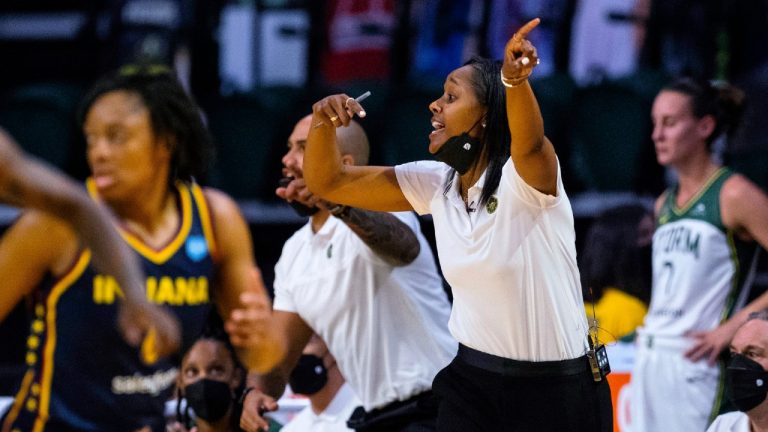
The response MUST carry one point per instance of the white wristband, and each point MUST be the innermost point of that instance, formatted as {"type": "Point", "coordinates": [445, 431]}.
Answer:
{"type": "Point", "coordinates": [511, 83]}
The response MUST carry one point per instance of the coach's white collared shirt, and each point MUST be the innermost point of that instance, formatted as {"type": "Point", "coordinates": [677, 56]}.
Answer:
{"type": "Point", "coordinates": [333, 418]}
{"type": "Point", "coordinates": [511, 263]}
{"type": "Point", "coordinates": [736, 421]}
{"type": "Point", "coordinates": [386, 326]}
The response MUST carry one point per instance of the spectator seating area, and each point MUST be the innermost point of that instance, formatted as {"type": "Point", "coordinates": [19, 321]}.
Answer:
{"type": "Point", "coordinates": [601, 131]}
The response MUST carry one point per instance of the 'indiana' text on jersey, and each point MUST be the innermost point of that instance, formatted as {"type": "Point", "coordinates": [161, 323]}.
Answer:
{"type": "Point", "coordinates": [163, 290]}
{"type": "Point", "coordinates": [81, 375]}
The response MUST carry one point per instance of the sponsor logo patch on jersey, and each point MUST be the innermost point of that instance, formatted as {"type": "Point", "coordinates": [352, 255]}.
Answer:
{"type": "Point", "coordinates": [196, 247]}
{"type": "Point", "coordinates": [699, 210]}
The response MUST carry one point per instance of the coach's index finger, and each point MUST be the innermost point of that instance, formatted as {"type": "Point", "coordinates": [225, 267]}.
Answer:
{"type": "Point", "coordinates": [524, 30]}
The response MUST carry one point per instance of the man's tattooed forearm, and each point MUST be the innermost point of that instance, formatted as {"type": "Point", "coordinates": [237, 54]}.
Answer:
{"type": "Point", "coordinates": [385, 234]}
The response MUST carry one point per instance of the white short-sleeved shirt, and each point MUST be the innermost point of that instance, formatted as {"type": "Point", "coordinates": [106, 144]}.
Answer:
{"type": "Point", "coordinates": [333, 418]}
{"type": "Point", "coordinates": [511, 263]}
{"type": "Point", "coordinates": [736, 421]}
{"type": "Point", "coordinates": [386, 326]}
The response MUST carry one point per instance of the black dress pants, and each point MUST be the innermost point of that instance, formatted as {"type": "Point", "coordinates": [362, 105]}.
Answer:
{"type": "Point", "coordinates": [481, 392]}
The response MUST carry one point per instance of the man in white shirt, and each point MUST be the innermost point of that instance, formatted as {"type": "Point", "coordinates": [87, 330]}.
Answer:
{"type": "Point", "coordinates": [331, 400]}
{"type": "Point", "coordinates": [747, 378]}
{"type": "Point", "coordinates": [367, 284]}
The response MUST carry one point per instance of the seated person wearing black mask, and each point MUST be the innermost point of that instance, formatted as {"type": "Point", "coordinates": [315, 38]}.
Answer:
{"type": "Point", "coordinates": [331, 399]}
{"type": "Point", "coordinates": [210, 386]}
{"type": "Point", "coordinates": [746, 378]}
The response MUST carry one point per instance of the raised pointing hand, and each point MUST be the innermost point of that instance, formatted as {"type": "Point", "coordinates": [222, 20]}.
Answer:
{"type": "Point", "coordinates": [520, 56]}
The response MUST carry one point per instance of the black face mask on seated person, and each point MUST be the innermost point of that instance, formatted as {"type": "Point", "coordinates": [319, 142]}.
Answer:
{"type": "Point", "coordinates": [301, 209]}
{"type": "Point", "coordinates": [209, 399]}
{"type": "Point", "coordinates": [460, 151]}
{"type": "Point", "coordinates": [309, 376]}
{"type": "Point", "coordinates": [747, 382]}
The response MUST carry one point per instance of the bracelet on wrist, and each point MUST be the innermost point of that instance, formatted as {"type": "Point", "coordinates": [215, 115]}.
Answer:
{"type": "Point", "coordinates": [512, 82]}
{"type": "Point", "coordinates": [245, 392]}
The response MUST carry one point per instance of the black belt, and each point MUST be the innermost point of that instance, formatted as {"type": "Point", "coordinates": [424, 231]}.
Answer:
{"type": "Point", "coordinates": [518, 368]}
{"type": "Point", "coordinates": [421, 405]}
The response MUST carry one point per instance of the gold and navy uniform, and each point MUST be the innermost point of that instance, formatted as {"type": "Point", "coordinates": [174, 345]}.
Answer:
{"type": "Point", "coordinates": [81, 374]}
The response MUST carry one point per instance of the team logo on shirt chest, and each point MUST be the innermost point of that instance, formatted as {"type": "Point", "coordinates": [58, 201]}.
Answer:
{"type": "Point", "coordinates": [492, 204]}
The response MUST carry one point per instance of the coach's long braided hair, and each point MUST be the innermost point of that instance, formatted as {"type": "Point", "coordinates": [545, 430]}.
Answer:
{"type": "Point", "coordinates": [496, 137]}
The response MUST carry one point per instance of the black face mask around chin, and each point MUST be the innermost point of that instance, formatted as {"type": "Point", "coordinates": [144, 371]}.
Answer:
{"type": "Point", "coordinates": [460, 151]}
{"type": "Point", "coordinates": [209, 399]}
{"type": "Point", "coordinates": [747, 382]}
{"type": "Point", "coordinates": [301, 209]}
{"type": "Point", "coordinates": [309, 376]}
